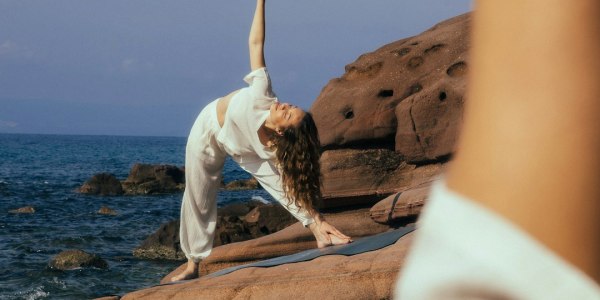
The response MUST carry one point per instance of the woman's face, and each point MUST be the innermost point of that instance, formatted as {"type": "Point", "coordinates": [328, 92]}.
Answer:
{"type": "Point", "coordinates": [285, 115]}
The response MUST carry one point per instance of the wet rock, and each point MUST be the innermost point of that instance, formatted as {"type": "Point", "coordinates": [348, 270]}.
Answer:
{"type": "Point", "coordinates": [162, 244]}
{"type": "Point", "coordinates": [105, 210]}
{"type": "Point", "coordinates": [74, 259]}
{"type": "Point", "coordinates": [104, 184]}
{"type": "Point", "coordinates": [147, 179]}
{"type": "Point", "coordinates": [23, 210]}
{"type": "Point", "coordinates": [400, 205]}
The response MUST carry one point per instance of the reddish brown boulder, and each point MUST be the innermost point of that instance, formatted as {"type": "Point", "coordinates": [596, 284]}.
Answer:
{"type": "Point", "coordinates": [369, 275]}
{"type": "Point", "coordinates": [400, 205]}
{"type": "Point", "coordinates": [407, 95]}
{"type": "Point", "coordinates": [353, 177]}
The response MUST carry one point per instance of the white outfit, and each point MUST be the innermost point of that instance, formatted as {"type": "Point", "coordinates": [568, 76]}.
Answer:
{"type": "Point", "coordinates": [463, 250]}
{"type": "Point", "coordinates": [207, 147]}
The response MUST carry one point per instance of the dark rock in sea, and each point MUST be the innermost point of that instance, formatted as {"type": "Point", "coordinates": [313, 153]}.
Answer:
{"type": "Point", "coordinates": [154, 179]}
{"type": "Point", "coordinates": [102, 184]}
{"type": "Point", "coordinates": [235, 223]}
{"type": "Point", "coordinates": [23, 210]}
{"type": "Point", "coordinates": [74, 259]}
{"type": "Point", "coordinates": [162, 244]}
{"type": "Point", "coordinates": [105, 210]}
{"type": "Point", "coordinates": [242, 184]}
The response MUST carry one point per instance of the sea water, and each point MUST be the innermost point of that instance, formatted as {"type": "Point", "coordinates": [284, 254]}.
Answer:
{"type": "Point", "coordinates": [44, 171]}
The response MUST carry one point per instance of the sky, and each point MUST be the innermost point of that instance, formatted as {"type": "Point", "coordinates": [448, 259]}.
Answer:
{"type": "Point", "coordinates": [147, 67]}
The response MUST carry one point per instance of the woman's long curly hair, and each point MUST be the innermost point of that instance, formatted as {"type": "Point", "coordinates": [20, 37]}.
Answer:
{"type": "Point", "coordinates": [298, 151]}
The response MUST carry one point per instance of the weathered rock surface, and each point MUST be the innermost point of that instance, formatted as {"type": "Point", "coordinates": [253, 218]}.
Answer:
{"type": "Point", "coordinates": [400, 205]}
{"type": "Point", "coordinates": [369, 275]}
{"type": "Point", "coordinates": [105, 184]}
{"type": "Point", "coordinates": [74, 259]}
{"type": "Point", "coordinates": [154, 179]}
{"type": "Point", "coordinates": [23, 210]}
{"type": "Point", "coordinates": [352, 177]}
{"type": "Point", "coordinates": [235, 223]}
{"type": "Point", "coordinates": [408, 93]}
{"type": "Point", "coordinates": [394, 111]}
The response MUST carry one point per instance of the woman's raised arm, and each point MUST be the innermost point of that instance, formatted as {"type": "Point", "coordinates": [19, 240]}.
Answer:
{"type": "Point", "coordinates": [256, 40]}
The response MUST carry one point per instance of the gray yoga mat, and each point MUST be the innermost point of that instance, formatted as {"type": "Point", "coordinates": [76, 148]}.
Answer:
{"type": "Point", "coordinates": [366, 244]}
{"type": "Point", "coordinates": [362, 245]}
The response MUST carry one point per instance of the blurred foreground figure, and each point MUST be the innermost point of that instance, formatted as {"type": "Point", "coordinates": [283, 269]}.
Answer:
{"type": "Point", "coordinates": [517, 215]}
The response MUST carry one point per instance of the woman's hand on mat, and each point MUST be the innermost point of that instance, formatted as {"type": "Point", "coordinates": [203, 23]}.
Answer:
{"type": "Point", "coordinates": [327, 235]}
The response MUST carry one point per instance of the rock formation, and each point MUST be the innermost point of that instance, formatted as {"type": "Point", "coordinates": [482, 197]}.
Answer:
{"type": "Point", "coordinates": [154, 179]}
{"type": "Point", "coordinates": [105, 184]}
{"type": "Point", "coordinates": [405, 98]}
{"type": "Point", "coordinates": [74, 259]}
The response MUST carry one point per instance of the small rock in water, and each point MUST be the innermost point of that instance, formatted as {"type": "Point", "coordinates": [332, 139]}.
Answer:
{"type": "Point", "coordinates": [105, 210]}
{"type": "Point", "coordinates": [23, 210]}
{"type": "Point", "coordinates": [74, 259]}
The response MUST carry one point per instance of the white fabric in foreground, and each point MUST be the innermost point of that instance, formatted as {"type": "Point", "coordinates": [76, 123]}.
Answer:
{"type": "Point", "coordinates": [462, 250]}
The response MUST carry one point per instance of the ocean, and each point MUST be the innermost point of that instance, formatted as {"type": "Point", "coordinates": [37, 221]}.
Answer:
{"type": "Point", "coordinates": [44, 171]}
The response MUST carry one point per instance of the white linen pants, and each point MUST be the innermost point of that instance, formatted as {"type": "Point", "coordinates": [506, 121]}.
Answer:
{"type": "Point", "coordinates": [204, 160]}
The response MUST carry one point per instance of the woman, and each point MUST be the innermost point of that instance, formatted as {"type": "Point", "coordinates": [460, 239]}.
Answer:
{"type": "Point", "coordinates": [276, 142]}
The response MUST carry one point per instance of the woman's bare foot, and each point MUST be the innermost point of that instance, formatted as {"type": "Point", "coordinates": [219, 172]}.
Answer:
{"type": "Point", "coordinates": [190, 272]}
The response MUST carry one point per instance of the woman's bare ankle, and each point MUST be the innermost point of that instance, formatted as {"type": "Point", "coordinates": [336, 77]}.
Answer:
{"type": "Point", "coordinates": [191, 271]}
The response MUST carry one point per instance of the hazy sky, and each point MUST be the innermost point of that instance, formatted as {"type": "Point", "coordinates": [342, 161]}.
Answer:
{"type": "Point", "coordinates": [147, 67]}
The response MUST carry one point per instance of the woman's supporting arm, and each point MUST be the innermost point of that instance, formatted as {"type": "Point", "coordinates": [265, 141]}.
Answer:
{"type": "Point", "coordinates": [256, 40]}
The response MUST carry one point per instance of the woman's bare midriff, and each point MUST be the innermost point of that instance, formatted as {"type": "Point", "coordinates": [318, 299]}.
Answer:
{"type": "Point", "coordinates": [222, 106]}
